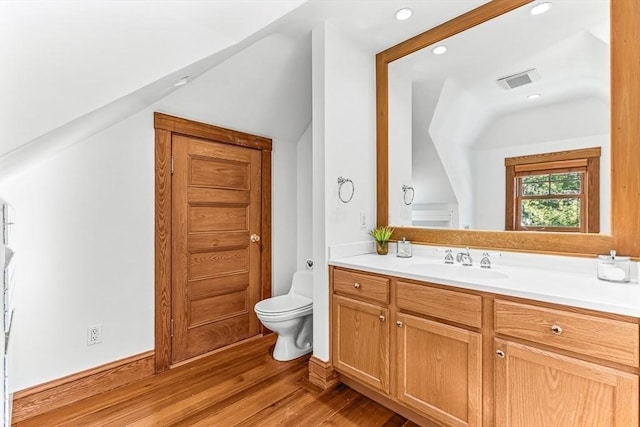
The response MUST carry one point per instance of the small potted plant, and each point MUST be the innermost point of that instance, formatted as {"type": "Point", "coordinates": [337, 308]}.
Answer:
{"type": "Point", "coordinates": [382, 235]}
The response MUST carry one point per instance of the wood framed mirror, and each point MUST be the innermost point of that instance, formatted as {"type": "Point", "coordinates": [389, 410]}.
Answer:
{"type": "Point", "coordinates": [625, 143]}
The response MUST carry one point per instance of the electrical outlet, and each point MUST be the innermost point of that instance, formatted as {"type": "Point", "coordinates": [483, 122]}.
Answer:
{"type": "Point", "coordinates": [363, 220]}
{"type": "Point", "coordinates": [94, 334]}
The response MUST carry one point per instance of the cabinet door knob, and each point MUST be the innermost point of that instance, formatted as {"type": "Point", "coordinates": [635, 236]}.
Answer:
{"type": "Point", "coordinates": [255, 238]}
{"type": "Point", "coordinates": [556, 329]}
{"type": "Point", "coordinates": [399, 324]}
{"type": "Point", "coordinates": [356, 285]}
{"type": "Point", "coordinates": [382, 318]}
{"type": "Point", "coordinates": [500, 354]}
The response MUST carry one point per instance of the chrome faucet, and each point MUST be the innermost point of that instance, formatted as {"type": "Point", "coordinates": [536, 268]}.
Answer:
{"type": "Point", "coordinates": [464, 258]}
{"type": "Point", "coordinates": [448, 258]}
{"type": "Point", "coordinates": [485, 262]}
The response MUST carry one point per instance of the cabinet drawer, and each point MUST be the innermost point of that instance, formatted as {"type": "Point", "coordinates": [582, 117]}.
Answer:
{"type": "Point", "coordinates": [606, 339]}
{"type": "Point", "coordinates": [455, 306]}
{"type": "Point", "coordinates": [362, 285]}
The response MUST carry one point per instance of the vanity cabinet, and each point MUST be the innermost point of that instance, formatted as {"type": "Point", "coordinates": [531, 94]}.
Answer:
{"type": "Point", "coordinates": [360, 328]}
{"type": "Point", "coordinates": [536, 386]}
{"type": "Point", "coordinates": [439, 370]}
{"type": "Point", "coordinates": [452, 357]}
{"type": "Point", "coordinates": [439, 366]}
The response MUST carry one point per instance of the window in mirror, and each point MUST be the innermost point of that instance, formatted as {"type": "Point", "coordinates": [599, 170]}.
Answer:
{"type": "Point", "coordinates": [554, 191]}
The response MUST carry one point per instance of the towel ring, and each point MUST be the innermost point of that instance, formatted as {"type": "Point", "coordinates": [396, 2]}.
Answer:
{"type": "Point", "coordinates": [405, 190]}
{"type": "Point", "coordinates": [341, 182]}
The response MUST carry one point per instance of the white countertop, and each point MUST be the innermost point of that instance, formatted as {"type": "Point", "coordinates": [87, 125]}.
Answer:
{"type": "Point", "coordinates": [578, 288]}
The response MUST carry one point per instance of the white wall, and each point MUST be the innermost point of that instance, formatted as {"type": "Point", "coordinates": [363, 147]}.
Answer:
{"type": "Point", "coordinates": [543, 128]}
{"type": "Point", "coordinates": [458, 118]}
{"type": "Point", "coordinates": [343, 145]}
{"type": "Point", "coordinates": [490, 178]}
{"type": "Point", "coordinates": [87, 215]}
{"type": "Point", "coordinates": [400, 144]}
{"type": "Point", "coordinates": [283, 216]}
{"type": "Point", "coordinates": [320, 275]}
{"type": "Point", "coordinates": [304, 180]}
{"type": "Point", "coordinates": [86, 254]}
{"type": "Point", "coordinates": [429, 176]}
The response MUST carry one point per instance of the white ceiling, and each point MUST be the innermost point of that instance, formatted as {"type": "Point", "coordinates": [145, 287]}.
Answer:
{"type": "Point", "coordinates": [61, 59]}
{"type": "Point", "coordinates": [69, 69]}
{"type": "Point", "coordinates": [568, 46]}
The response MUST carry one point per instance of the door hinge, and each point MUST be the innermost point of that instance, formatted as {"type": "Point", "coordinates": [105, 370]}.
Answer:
{"type": "Point", "coordinates": [171, 327]}
{"type": "Point", "coordinates": [171, 165]}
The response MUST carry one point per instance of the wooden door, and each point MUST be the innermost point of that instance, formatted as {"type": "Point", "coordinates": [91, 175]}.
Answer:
{"type": "Point", "coordinates": [216, 207]}
{"type": "Point", "coordinates": [440, 370]}
{"type": "Point", "coordinates": [360, 343]}
{"type": "Point", "coordinates": [539, 388]}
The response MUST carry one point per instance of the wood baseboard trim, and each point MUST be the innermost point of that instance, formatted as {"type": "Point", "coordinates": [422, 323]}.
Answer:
{"type": "Point", "coordinates": [51, 395]}
{"type": "Point", "coordinates": [322, 374]}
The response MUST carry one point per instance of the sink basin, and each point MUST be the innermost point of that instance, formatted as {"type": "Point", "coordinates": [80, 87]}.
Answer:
{"type": "Point", "coordinates": [456, 272]}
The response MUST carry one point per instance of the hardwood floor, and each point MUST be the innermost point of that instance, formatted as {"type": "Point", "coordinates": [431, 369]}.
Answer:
{"type": "Point", "coordinates": [242, 386]}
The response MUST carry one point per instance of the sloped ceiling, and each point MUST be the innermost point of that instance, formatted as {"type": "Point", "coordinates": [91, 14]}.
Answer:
{"type": "Point", "coordinates": [64, 59]}
{"type": "Point", "coordinates": [70, 69]}
{"type": "Point", "coordinates": [264, 89]}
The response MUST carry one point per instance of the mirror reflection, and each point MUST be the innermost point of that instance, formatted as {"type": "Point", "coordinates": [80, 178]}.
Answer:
{"type": "Point", "coordinates": [520, 85]}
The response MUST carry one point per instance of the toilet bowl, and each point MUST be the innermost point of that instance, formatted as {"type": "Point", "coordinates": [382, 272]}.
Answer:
{"type": "Point", "coordinates": [290, 317]}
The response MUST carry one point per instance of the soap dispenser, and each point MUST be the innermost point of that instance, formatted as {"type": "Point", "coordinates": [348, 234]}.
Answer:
{"type": "Point", "coordinates": [404, 248]}
{"type": "Point", "coordinates": [613, 268]}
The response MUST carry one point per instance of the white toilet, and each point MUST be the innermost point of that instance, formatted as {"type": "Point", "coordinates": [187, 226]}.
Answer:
{"type": "Point", "coordinates": [290, 317]}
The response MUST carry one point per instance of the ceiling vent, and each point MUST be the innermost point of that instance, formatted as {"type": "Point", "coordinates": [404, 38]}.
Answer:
{"type": "Point", "coordinates": [520, 79]}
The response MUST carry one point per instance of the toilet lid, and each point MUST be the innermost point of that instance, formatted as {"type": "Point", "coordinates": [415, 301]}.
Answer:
{"type": "Point", "coordinates": [283, 303]}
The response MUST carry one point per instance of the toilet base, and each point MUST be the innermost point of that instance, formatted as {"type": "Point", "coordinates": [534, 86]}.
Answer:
{"type": "Point", "coordinates": [286, 349]}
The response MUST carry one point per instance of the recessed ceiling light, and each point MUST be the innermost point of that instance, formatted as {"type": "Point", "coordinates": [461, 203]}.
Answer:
{"type": "Point", "coordinates": [403, 14]}
{"type": "Point", "coordinates": [183, 81]}
{"type": "Point", "coordinates": [533, 96]}
{"type": "Point", "coordinates": [439, 50]}
{"type": "Point", "coordinates": [540, 8]}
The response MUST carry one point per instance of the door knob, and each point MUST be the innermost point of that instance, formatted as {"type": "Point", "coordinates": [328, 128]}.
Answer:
{"type": "Point", "coordinates": [255, 238]}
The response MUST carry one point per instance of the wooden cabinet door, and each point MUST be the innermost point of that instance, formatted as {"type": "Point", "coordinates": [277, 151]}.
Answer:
{"type": "Point", "coordinates": [360, 343]}
{"type": "Point", "coordinates": [440, 370]}
{"type": "Point", "coordinates": [538, 388]}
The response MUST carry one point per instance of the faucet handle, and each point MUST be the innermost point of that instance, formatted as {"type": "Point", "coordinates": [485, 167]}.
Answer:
{"type": "Point", "coordinates": [485, 262]}
{"type": "Point", "coordinates": [448, 258]}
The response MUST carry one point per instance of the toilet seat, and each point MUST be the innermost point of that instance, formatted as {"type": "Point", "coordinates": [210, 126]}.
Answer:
{"type": "Point", "coordinates": [284, 305]}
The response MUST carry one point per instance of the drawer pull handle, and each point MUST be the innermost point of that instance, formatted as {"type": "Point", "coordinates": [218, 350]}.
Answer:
{"type": "Point", "coordinates": [556, 329]}
{"type": "Point", "coordinates": [399, 324]}
{"type": "Point", "coordinates": [382, 318]}
{"type": "Point", "coordinates": [356, 285]}
{"type": "Point", "coordinates": [500, 354]}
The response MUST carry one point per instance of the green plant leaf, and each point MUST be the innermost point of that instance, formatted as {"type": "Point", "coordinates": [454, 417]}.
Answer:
{"type": "Point", "coordinates": [381, 234]}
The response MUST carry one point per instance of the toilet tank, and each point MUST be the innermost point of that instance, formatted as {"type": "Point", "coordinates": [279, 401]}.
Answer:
{"type": "Point", "coordinates": [302, 283]}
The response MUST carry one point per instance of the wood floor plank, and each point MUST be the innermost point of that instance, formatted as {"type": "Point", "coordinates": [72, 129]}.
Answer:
{"type": "Point", "coordinates": [397, 420]}
{"type": "Point", "coordinates": [241, 387]}
{"type": "Point", "coordinates": [268, 395]}
{"type": "Point", "coordinates": [175, 404]}
{"type": "Point", "coordinates": [198, 413]}
{"type": "Point", "coordinates": [360, 412]}
{"type": "Point", "coordinates": [153, 392]}
{"type": "Point", "coordinates": [136, 401]}
{"type": "Point", "coordinates": [312, 408]}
